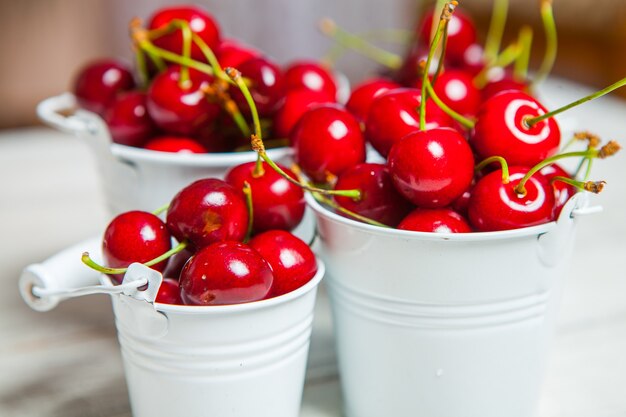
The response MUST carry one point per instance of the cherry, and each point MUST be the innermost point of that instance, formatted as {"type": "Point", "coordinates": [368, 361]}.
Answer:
{"type": "Point", "coordinates": [409, 73]}
{"type": "Point", "coordinates": [310, 75]}
{"type": "Point", "coordinates": [295, 104]}
{"type": "Point", "coordinates": [431, 168]}
{"type": "Point", "coordinates": [181, 108]}
{"type": "Point", "coordinates": [128, 119]}
{"type": "Point", "coordinates": [276, 202]}
{"type": "Point", "coordinates": [169, 293]}
{"type": "Point", "coordinates": [266, 85]}
{"type": "Point", "coordinates": [461, 33]}
{"type": "Point", "coordinates": [200, 22]}
{"type": "Point", "coordinates": [497, 206]}
{"type": "Point", "coordinates": [292, 261]}
{"type": "Point", "coordinates": [472, 61]}
{"type": "Point", "coordinates": [395, 114]}
{"type": "Point", "coordinates": [379, 199]}
{"type": "Point", "coordinates": [232, 53]}
{"type": "Point", "coordinates": [178, 144]}
{"type": "Point", "coordinates": [443, 220]}
{"type": "Point", "coordinates": [460, 204]}
{"type": "Point", "coordinates": [499, 80]}
{"type": "Point", "coordinates": [207, 211]}
{"type": "Point", "coordinates": [176, 264]}
{"type": "Point", "coordinates": [456, 89]}
{"type": "Point", "coordinates": [98, 83]}
{"type": "Point", "coordinates": [327, 141]}
{"type": "Point", "coordinates": [225, 273]}
{"type": "Point", "coordinates": [135, 236]}
{"type": "Point", "coordinates": [562, 191]}
{"type": "Point", "coordinates": [501, 130]}
{"type": "Point", "coordinates": [364, 94]}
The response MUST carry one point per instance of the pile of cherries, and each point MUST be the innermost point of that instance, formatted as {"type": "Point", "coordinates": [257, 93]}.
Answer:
{"type": "Point", "coordinates": [178, 99]}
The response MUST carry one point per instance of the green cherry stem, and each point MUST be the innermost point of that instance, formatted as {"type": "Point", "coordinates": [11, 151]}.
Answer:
{"type": "Point", "coordinates": [187, 41]}
{"type": "Point", "coordinates": [161, 209]}
{"type": "Point", "coordinates": [247, 191]}
{"type": "Point", "coordinates": [507, 57]}
{"type": "Point", "coordinates": [106, 270]}
{"type": "Point", "coordinates": [444, 45]}
{"type": "Point", "coordinates": [464, 121]}
{"type": "Point", "coordinates": [259, 147]}
{"type": "Point", "coordinates": [497, 23]}
{"type": "Point", "coordinates": [331, 203]}
{"type": "Point", "coordinates": [591, 186]}
{"type": "Point", "coordinates": [503, 164]}
{"type": "Point", "coordinates": [525, 40]}
{"type": "Point", "coordinates": [530, 122]}
{"type": "Point", "coordinates": [329, 28]}
{"type": "Point", "coordinates": [549, 26]}
{"type": "Point", "coordinates": [142, 68]}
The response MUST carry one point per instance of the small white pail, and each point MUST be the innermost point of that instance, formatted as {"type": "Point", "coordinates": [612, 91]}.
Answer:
{"type": "Point", "coordinates": [443, 325]}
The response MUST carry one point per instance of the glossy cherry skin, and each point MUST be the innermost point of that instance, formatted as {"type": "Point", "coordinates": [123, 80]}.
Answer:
{"type": "Point", "coordinates": [380, 201]}
{"type": "Point", "coordinates": [327, 141]}
{"type": "Point", "coordinates": [200, 22]}
{"type": "Point", "coordinates": [276, 202]}
{"type": "Point", "coordinates": [128, 119]}
{"type": "Point", "coordinates": [395, 114]}
{"type": "Point", "coordinates": [472, 61]}
{"type": "Point", "coordinates": [175, 144]}
{"type": "Point", "coordinates": [500, 130]}
{"type": "Point", "coordinates": [232, 53]}
{"type": "Point", "coordinates": [431, 168]}
{"type": "Point", "coordinates": [562, 191]}
{"type": "Point", "coordinates": [496, 206]}
{"type": "Point", "coordinates": [169, 292]}
{"type": "Point", "coordinates": [364, 94]}
{"type": "Point", "coordinates": [266, 85]}
{"type": "Point", "coordinates": [207, 211]}
{"type": "Point", "coordinates": [98, 83]}
{"type": "Point", "coordinates": [177, 109]}
{"type": "Point", "coordinates": [292, 261]}
{"type": "Point", "coordinates": [135, 236]}
{"type": "Point", "coordinates": [443, 220]}
{"type": "Point", "coordinates": [225, 273]}
{"type": "Point", "coordinates": [461, 33]}
{"type": "Point", "coordinates": [176, 263]}
{"type": "Point", "coordinates": [295, 104]}
{"type": "Point", "coordinates": [312, 76]}
{"type": "Point", "coordinates": [456, 89]}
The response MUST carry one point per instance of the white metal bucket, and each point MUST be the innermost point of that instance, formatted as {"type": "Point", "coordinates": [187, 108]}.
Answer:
{"type": "Point", "coordinates": [443, 324]}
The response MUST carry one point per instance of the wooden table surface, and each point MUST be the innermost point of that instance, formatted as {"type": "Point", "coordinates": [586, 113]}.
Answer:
{"type": "Point", "coordinates": [67, 362]}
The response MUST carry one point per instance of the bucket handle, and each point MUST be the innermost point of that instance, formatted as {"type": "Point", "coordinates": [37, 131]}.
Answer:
{"type": "Point", "coordinates": [49, 110]}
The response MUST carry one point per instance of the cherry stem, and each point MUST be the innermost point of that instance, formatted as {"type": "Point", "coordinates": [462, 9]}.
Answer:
{"type": "Point", "coordinates": [446, 14]}
{"type": "Point", "coordinates": [525, 39]}
{"type": "Point", "coordinates": [247, 191]}
{"type": "Point", "coordinates": [467, 123]}
{"type": "Point", "coordinates": [591, 186]}
{"type": "Point", "coordinates": [329, 28]}
{"type": "Point", "coordinates": [112, 271]}
{"type": "Point", "coordinates": [534, 120]}
{"type": "Point", "coordinates": [503, 164]}
{"type": "Point", "coordinates": [142, 68]}
{"type": "Point", "coordinates": [497, 23]}
{"type": "Point", "coordinates": [161, 209]}
{"type": "Point", "coordinates": [508, 56]}
{"type": "Point", "coordinates": [256, 141]}
{"type": "Point", "coordinates": [187, 42]}
{"type": "Point", "coordinates": [331, 203]}
{"type": "Point", "coordinates": [444, 45]}
{"type": "Point", "coordinates": [395, 36]}
{"type": "Point", "coordinates": [549, 26]}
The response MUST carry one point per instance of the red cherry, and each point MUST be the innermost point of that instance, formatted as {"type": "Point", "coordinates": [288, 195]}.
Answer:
{"type": "Point", "coordinates": [176, 264]}
{"type": "Point", "coordinates": [395, 114]}
{"type": "Point", "coordinates": [431, 168]}
{"type": "Point", "coordinates": [99, 82]}
{"type": "Point", "coordinates": [496, 206]}
{"type": "Point", "coordinates": [443, 220]}
{"type": "Point", "coordinates": [200, 22]}
{"type": "Point", "coordinates": [292, 261]}
{"type": "Point", "coordinates": [206, 211]}
{"type": "Point", "coordinates": [327, 140]}
{"type": "Point", "coordinates": [461, 33]}
{"type": "Point", "coordinates": [364, 94]}
{"type": "Point", "coordinates": [225, 273]}
{"type": "Point", "coordinates": [169, 293]}
{"type": "Point", "coordinates": [379, 199]}
{"type": "Point", "coordinates": [181, 109]}
{"type": "Point", "coordinates": [409, 73]}
{"type": "Point", "coordinates": [266, 85]}
{"type": "Point", "coordinates": [128, 119]}
{"type": "Point", "coordinates": [232, 53]}
{"type": "Point", "coordinates": [310, 75]}
{"type": "Point", "coordinates": [562, 191]}
{"type": "Point", "coordinates": [456, 89]}
{"type": "Point", "coordinates": [460, 204]}
{"type": "Point", "coordinates": [501, 80]}
{"type": "Point", "coordinates": [500, 130]}
{"type": "Point", "coordinates": [472, 61]}
{"type": "Point", "coordinates": [135, 236]}
{"type": "Point", "coordinates": [276, 202]}
{"type": "Point", "coordinates": [295, 104]}
{"type": "Point", "coordinates": [177, 144]}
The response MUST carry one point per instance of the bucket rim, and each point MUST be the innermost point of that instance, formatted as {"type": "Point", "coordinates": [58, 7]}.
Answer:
{"type": "Point", "coordinates": [413, 235]}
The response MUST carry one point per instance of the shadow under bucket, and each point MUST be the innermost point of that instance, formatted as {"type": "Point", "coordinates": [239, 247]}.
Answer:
{"type": "Point", "coordinates": [443, 325]}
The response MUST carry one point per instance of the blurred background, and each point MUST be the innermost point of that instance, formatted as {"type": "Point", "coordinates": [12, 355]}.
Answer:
{"type": "Point", "coordinates": [45, 41]}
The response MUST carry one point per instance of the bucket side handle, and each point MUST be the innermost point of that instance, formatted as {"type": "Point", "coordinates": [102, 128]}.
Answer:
{"type": "Point", "coordinates": [49, 111]}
